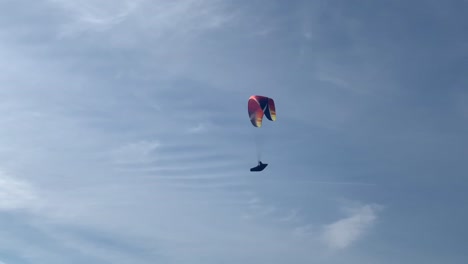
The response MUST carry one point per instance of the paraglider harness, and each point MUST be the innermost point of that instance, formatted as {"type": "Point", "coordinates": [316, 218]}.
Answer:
{"type": "Point", "coordinates": [259, 167]}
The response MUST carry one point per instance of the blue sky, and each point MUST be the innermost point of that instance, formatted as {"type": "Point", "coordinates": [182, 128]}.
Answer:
{"type": "Point", "coordinates": [125, 136]}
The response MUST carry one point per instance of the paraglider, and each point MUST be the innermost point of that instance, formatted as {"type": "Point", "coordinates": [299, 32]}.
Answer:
{"type": "Point", "coordinates": [258, 107]}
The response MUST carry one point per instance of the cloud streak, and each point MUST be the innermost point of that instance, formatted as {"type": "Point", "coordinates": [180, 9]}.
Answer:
{"type": "Point", "coordinates": [181, 17]}
{"type": "Point", "coordinates": [16, 194]}
{"type": "Point", "coordinates": [344, 232]}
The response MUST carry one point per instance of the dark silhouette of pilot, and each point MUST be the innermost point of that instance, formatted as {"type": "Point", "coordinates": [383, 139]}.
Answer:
{"type": "Point", "coordinates": [260, 166]}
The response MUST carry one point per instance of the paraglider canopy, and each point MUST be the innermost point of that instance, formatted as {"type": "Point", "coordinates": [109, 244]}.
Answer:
{"type": "Point", "coordinates": [260, 106]}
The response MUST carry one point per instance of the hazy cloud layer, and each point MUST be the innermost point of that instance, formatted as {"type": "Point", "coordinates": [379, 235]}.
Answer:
{"type": "Point", "coordinates": [125, 137]}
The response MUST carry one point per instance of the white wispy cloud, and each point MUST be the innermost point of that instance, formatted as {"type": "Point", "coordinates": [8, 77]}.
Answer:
{"type": "Point", "coordinates": [258, 209]}
{"type": "Point", "coordinates": [306, 230]}
{"type": "Point", "coordinates": [136, 152]}
{"type": "Point", "coordinates": [162, 17]}
{"type": "Point", "coordinates": [201, 128]}
{"type": "Point", "coordinates": [344, 232]}
{"type": "Point", "coordinates": [16, 194]}
{"type": "Point", "coordinates": [291, 216]}
{"type": "Point", "coordinates": [95, 15]}
{"type": "Point", "coordinates": [269, 212]}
